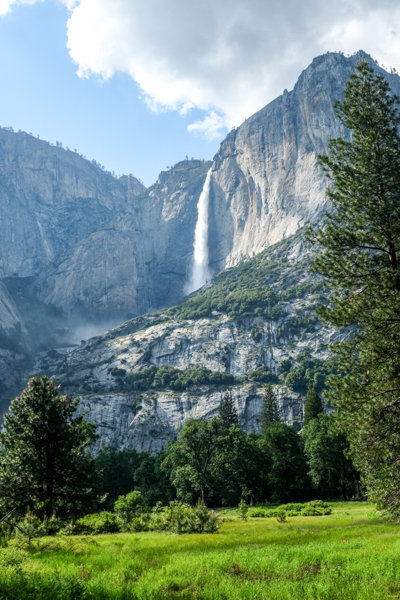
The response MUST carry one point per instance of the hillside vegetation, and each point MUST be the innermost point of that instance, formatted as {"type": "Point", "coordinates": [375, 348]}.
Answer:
{"type": "Point", "coordinates": [267, 292]}
{"type": "Point", "coordinates": [259, 286]}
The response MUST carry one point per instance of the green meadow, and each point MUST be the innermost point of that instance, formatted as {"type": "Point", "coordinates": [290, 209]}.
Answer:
{"type": "Point", "coordinates": [350, 554]}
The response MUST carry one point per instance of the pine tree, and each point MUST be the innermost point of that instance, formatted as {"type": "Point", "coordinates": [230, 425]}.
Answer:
{"type": "Point", "coordinates": [361, 239]}
{"type": "Point", "coordinates": [360, 259]}
{"type": "Point", "coordinates": [270, 408]}
{"type": "Point", "coordinates": [227, 411]}
{"type": "Point", "coordinates": [44, 463]}
{"type": "Point", "coordinates": [312, 406]}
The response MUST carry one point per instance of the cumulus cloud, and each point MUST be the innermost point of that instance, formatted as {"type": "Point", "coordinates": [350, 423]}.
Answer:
{"type": "Point", "coordinates": [226, 57]}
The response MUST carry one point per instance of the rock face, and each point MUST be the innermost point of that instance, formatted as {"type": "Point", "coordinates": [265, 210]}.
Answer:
{"type": "Point", "coordinates": [9, 315]}
{"type": "Point", "coordinates": [266, 181]}
{"type": "Point", "coordinates": [101, 369]}
{"type": "Point", "coordinates": [108, 249]}
{"type": "Point", "coordinates": [149, 422]}
{"type": "Point", "coordinates": [51, 199]}
{"type": "Point", "coordinates": [139, 260]}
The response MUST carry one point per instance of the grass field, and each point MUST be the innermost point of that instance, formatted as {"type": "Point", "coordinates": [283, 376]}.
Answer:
{"type": "Point", "coordinates": [350, 554]}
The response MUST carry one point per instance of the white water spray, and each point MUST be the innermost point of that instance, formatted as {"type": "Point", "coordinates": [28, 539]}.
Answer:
{"type": "Point", "coordinates": [200, 273]}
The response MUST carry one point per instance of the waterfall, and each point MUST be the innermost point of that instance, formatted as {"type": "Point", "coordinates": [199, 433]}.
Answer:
{"type": "Point", "coordinates": [200, 273]}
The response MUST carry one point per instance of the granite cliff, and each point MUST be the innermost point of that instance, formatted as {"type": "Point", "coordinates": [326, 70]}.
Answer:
{"type": "Point", "coordinates": [81, 247]}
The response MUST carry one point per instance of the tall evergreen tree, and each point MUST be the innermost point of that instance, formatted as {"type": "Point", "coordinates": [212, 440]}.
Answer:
{"type": "Point", "coordinates": [227, 411]}
{"type": "Point", "coordinates": [288, 480]}
{"type": "Point", "coordinates": [270, 408]}
{"type": "Point", "coordinates": [312, 406]}
{"type": "Point", "coordinates": [45, 464]}
{"type": "Point", "coordinates": [331, 471]}
{"type": "Point", "coordinates": [361, 260]}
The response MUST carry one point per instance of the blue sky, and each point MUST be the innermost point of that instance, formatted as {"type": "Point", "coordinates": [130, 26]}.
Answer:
{"type": "Point", "coordinates": [140, 84]}
{"type": "Point", "coordinates": [105, 120]}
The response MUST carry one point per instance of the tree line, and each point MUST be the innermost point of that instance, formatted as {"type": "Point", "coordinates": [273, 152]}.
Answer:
{"type": "Point", "coordinates": [46, 464]}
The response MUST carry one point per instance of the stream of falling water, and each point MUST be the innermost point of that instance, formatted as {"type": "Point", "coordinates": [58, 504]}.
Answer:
{"type": "Point", "coordinates": [200, 273]}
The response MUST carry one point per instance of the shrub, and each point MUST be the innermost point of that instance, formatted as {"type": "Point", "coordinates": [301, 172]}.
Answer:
{"type": "Point", "coordinates": [296, 507]}
{"type": "Point", "coordinates": [177, 379]}
{"type": "Point", "coordinates": [182, 518]}
{"type": "Point", "coordinates": [280, 516]}
{"type": "Point", "coordinates": [315, 508]}
{"type": "Point", "coordinates": [203, 520]}
{"type": "Point", "coordinates": [259, 512]}
{"type": "Point", "coordinates": [103, 522]}
{"type": "Point", "coordinates": [243, 509]}
{"type": "Point", "coordinates": [31, 527]}
{"type": "Point", "coordinates": [129, 506]}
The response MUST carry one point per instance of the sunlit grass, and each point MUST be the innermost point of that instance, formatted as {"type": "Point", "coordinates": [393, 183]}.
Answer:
{"type": "Point", "coordinates": [346, 555]}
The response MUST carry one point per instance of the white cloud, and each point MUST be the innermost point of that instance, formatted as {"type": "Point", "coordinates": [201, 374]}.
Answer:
{"type": "Point", "coordinates": [227, 57]}
{"type": "Point", "coordinates": [7, 5]}
{"type": "Point", "coordinates": [211, 126]}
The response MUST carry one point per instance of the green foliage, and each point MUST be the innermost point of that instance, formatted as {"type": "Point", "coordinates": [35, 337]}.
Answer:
{"type": "Point", "coordinates": [189, 459]}
{"type": "Point", "coordinates": [360, 258]}
{"type": "Point", "coordinates": [204, 520]}
{"type": "Point", "coordinates": [314, 508]}
{"type": "Point", "coordinates": [262, 375]}
{"type": "Point", "coordinates": [245, 290]}
{"type": "Point", "coordinates": [129, 506]}
{"type": "Point", "coordinates": [31, 527]}
{"type": "Point", "coordinates": [280, 516]}
{"type": "Point", "coordinates": [178, 518]}
{"type": "Point", "coordinates": [270, 408]}
{"type": "Point", "coordinates": [151, 480]}
{"type": "Point", "coordinates": [239, 468]}
{"type": "Point", "coordinates": [182, 518]}
{"type": "Point", "coordinates": [102, 522]}
{"type": "Point", "coordinates": [118, 468]}
{"type": "Point", "coordinates": [243, 509]}
{"type": "Point", "coordinates": [168, 377]}
{"type": "Point", "coordinates": [331, 470]}
{"type": "Point", "coordinates": [227, 411]}
{"type": "Point", "coordinates": [125, 469]}
{"type": "Point", "coordinates": [312, 406]}
{"type": "Point", "coordinates": [285, 365]}
{"type": "Point", "coordinates": [308, 372]}
{"type": "Point", "coordinates": [287, 475]}
{"type": "Point", "coordinates": [45, 463]}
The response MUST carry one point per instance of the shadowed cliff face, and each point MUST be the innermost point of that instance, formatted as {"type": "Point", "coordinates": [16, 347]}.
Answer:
{"type": "Point", "coordinates": [51, 199]}
{"type": "Point", "coordinates": [139, 260]}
